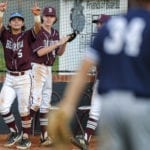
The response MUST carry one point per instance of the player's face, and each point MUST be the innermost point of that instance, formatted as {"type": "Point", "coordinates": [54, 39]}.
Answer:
{"type": "Point", "coordinates": [49, 20]}
{"type": "Point", "coordinates": [99, 25]}
{"type": "Point", "coordinates": [16, 23]}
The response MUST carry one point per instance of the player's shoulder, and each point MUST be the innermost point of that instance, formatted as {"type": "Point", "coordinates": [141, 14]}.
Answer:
{"type": "Point", "coordinates": [5, 32]}
{"type": "Point", "coordinates": [54, 32]}
{"type": "Point", "coordinates": [28, 31]}
{"type": "Point", "coordinates": [140, 13]}
{"type": "Point", "coordinates": [132, 14]}
{"type": "Point", "coordinates": [4, 29]}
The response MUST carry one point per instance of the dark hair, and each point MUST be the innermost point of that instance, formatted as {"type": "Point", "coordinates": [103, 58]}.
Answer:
{"type": "Point", "coordinates": [22, 28]}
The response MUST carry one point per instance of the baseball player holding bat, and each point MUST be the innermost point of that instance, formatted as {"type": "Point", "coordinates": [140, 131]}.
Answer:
{"type": "Point", "coordinates": [121, 48]}
{"type": "Point", "coordinates": [17, 52]}
{"type": "Point", "coordinates": [45, 49]}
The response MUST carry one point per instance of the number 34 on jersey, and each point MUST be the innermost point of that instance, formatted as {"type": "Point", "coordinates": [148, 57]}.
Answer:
{"type": "Point", "coordinates": [124, 36]}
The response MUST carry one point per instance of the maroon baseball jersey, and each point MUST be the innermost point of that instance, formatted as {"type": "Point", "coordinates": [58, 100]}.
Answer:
{"type": "Point", "coordinates": [17, 49]}
{"type": "Point", "coordinates": [45, 39]}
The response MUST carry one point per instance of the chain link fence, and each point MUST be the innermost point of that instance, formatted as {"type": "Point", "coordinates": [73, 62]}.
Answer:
{"type": "Point", "coordinates": [75, 50]}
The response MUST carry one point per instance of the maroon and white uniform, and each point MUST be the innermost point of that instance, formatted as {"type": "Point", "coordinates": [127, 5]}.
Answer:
{"type": "Point", "coordinates": [42, 70]}
{"type": "Point", "coordinates": [17, 53]}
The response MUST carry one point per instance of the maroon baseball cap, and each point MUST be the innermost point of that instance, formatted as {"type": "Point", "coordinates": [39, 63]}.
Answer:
{"type": "Point", "coordinates": [49, 11]}
{"type": "Point", "coordinates": [102, 18]}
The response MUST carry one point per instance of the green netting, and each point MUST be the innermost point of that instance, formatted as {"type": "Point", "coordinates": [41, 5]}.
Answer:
{"type": "Point", "coordinates": [75, 50]}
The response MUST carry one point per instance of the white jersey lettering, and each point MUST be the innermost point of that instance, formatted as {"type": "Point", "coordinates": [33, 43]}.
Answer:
{"type": "Point", "coordinates": [123, 34]}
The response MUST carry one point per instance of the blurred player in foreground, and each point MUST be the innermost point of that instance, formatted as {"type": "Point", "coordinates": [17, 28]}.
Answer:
{"type": "Point", "coordinates": [94, 114]}
{"type": "Point", "coordinates": [122, 48]}
{"type": "Point", "coordinates": [17, 52]}
{"type": "Point", "coordinates": [45, 49]}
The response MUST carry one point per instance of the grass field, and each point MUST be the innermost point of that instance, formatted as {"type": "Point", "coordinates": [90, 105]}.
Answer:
{"type": "Point", "coordinates": [2, 61]}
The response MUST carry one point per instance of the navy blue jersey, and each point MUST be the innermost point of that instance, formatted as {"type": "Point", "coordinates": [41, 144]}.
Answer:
{"type": "Point", "coordinates": [123, 46]}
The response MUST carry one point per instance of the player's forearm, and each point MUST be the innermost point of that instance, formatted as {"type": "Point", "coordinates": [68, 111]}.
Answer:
{"type": "Point", "coordinates": [61, 49]}
{"type": "Point", "coordinates": [75, 88]}
{"type": "Point", "coordinates": [1, 19]}
{"type": "Point", "coordinates": [3, 6]}
{"type": "Point", "coordinates": [47, 50]}
{"type": "Point", "coordinates": [37, 23]}
{"type": "Point", "coordinates": [61, 43]}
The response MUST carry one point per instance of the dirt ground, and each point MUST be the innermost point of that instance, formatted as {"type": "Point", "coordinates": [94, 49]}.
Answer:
{"type": "Point", "coordinates": [36, 145]}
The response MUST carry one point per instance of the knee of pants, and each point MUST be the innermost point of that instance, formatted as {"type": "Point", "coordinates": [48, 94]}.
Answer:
{"type": "Point", "coordinates": [95, 116]}
{"type": "Point", "coordinates": [44, 110]}
{"type": "Point", "coordinates": [23, 111]}
{"type": "Point", "coordinates": [4, 110]}
{"type": "Point", "coordinates": [35, 107]}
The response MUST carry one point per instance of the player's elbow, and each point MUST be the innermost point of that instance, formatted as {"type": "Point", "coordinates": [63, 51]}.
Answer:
{"type": "Point", "coordinates": [40, 54]}
{"type": "Point", "coordinates": [59, 53]}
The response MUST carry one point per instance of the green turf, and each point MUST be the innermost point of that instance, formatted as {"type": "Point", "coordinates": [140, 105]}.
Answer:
{"type": "Point", "coordinates": [2, 61]}
{"type": "Point", "coordinates": [55, 65]}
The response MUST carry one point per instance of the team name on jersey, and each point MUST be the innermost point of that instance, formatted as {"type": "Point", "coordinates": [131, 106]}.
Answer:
{"type": "Point", "coordinates": [15, 46]}
{"type": "Point", "coordinates": [49, 42]}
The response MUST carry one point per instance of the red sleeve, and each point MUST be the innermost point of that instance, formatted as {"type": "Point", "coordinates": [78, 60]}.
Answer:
{"type": "Point", "coordinates": [3, 34]}
{"type": "Point", "coordinates": [38, 44]}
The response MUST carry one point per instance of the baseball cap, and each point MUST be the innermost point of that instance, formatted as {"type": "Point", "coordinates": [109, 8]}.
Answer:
{"type": "Point", "coordinates": [16, 14]}
{"type": "Point", "coordinates": [102, 18]}
{"type": "Point", "coordinates": [49, 11]}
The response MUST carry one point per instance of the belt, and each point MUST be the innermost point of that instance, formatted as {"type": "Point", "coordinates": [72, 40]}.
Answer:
{"type": "Point", "coordinates": [16, 73]}
{"type": "Point", "coordinates": [45, 64]}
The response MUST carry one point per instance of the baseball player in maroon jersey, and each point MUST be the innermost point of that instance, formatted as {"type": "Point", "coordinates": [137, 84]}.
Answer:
{"type": "Point", "coordinates": [46, 47]}
{"type": "Point", "coordinates": [17, 52]}
{"type": "Point", "coordinates": [94, 114]}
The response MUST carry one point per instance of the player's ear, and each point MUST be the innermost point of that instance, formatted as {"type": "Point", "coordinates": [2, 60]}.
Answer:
{"type": "Point", "coordinates": [8, 26]}
{"type": "Point", "coordinates": [55, 20]}
{"type": "Point", "coordinates": [9, 23]}
{"type": "Point", "coordinates": [22, 24]}
{"type": "Point", "coordinates": [23, 27]}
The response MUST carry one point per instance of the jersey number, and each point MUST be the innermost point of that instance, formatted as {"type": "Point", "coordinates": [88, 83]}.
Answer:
{"type": "Point", "coordinates": [20, 53]}
{"type": "Point", "coordinates": [122, 34]}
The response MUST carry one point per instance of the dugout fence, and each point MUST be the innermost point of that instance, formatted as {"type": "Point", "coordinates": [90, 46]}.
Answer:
{"type": "Point", "coordinates": [75, 50]}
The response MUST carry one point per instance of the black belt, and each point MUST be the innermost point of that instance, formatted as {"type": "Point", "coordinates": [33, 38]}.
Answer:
{"type": "Point", "coordinates": [16, 73]}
